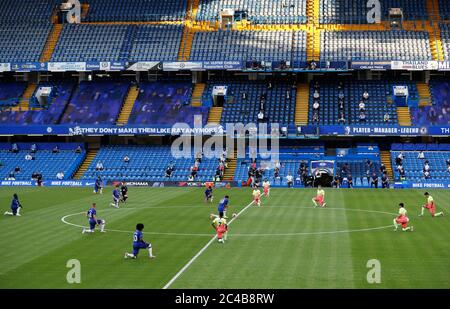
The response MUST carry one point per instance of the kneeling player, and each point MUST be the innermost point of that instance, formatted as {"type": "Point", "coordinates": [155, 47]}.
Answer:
{"type": "Point", "coordinates": [139, 243]}
{"type": "Point", "coordinates": [319, 200]}
{"type": "Point", "coordinates": [256, 196]}
{"type": "Point", "coordinates": [209, 194]}
{"type": "Point", "coordinates": [93, 221]}
{"type": "Point", "coordinates": [266, 186]}
{"type": "Point", "coordinates": [402, 219]}
{"type": "Point", "coordinates": [15, 207]}
{"type": "Point", "coordinates": [431, 206]}
{"type": "Point", "coordinates": [116, 197]}
{"type": "Point", "coordinates": [220, 226]}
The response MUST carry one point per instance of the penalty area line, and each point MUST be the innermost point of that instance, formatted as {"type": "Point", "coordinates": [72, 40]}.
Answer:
{"type": "Point", "coordinates": [195, 257]}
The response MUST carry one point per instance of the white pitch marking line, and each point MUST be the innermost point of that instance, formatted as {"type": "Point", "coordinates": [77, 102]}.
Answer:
{"type": "Point", "coordinates": [63, 219]}
{"type": "Point", "coordinates": [185, 267]}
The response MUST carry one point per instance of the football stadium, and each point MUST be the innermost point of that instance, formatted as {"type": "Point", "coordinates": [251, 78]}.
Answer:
{"type": "Point", "coordinates": [225, 144]}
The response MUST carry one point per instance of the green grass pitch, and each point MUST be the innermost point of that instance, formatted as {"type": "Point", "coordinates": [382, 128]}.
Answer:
{"type": "Point", "coordinates": [285, 243]}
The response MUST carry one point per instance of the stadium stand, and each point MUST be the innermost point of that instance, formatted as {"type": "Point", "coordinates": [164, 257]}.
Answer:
{"type": "Point", "coordinates": [354, 162]}
{"type": "Point", "coordinates": [147, 163]}
{"type": "Point", "coordinates": [86, 42]}
{"type": "Point", "coordinates": [256, 11]}
{"type": "Point", "coordinates": [374, 45]}
{"type": "Point", "coordinates": [435, 154]}
{"type": "Point", "coordinates": [135, 10]}
{"type": "Point", "coordinates": [156, 42]}
{"type": "Point", "coordinates": [355, 11]}
{"type": "Point", "coordinates": [439, 112]}
{"type": "Point", "coordinates": [45, 161]}
{"type": "Point", "coordinates": [26, 11]}
{"type": "Point", "coordinates": [98, 42]}
{"type": "Point", "coordinates": [96, 102]}
{"type": "Point", "coordinates": [290, 159]}
{"type": "Point", "coordinates": [279, 102]}
{"type": "Point", "coordinates": [249, 46]}
{"type": "Point", "coordinates": [376, 107]}
{"type": "Point", "coordinates": [61, 94]}
{"type": "Point", "coordinates": [10, 93]}
{"type": "Point", "coordinates": [166, 103]}
{"type": "Point", "coordinates": [444, 9]}
{"type": "Point", "coordinates": [22, 42]}
{"type": "Point", "coordinates": [445, 39]}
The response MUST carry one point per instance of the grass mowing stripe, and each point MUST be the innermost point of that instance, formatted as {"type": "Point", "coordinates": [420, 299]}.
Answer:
{"type": "Point", "coordinates": [185, 267]}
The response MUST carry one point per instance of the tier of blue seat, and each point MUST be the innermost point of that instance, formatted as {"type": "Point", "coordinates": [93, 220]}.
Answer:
{"type": "Point", "coordinates": [249, 46]}
{"type": "Point", "coordinates": [96, 102]}
{"type": "Point", "coordinates": [278, 107]}
{"type": "Point", "coordinates": [414, 167]}
{"type": "Point", "coordinates": [26, 11]}
{"type": "Point", "coordinates": [46, 162]}
{"type": "Point", "coordinates": [256, 11]}
{"type": "Point", "coordinates": [166, 103]}
{"type": "Point", "coordinates": [84, 42]}
{"type": "Point", "coordinates": [290, 159]}
{"type": "Point", "coordinates": [100, 42]}
{"type": "Point", "coordinates": [358, 166]}
{"type": "Point", "coordinates": [376, 107]}
{"type": "Point", "coordinates": [23, 42]}
{"type": "Point", "coordinates": [445, 39]}
{"type": "Point", "coordinates": [10, 93]}
{"type": "Point", "coordinates": [444, 9]}
{"type": "Point", "coordinates": [356, 160]}
{"type": "Point", "coordinates": [374, 45]}
{"type": "Point", "coordinates": [156, 43]}
{"type": "Point", "coordinates": [147, 163]}
{"type": "Point", "coordinates": [63, 91]}
{"type": "Point", "coordinates": [439, 112]}
{"type": "Point", "coordinates": [135, 10]}
{"type": "Point", "coordinates": [355, 11]}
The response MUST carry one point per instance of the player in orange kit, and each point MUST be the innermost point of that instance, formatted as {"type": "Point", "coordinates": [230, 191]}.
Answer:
{"type": "Point", "coordinates": [431, 206]}
{"type": "Point", "coordinates": [266, 186]}
{"type": "Point", "coordinates": [256, 196]}
{"type": "Point", "coordinates": [220, 226]}
{"type": "Point", "coordinates": [319, 200]}
{"type": "Point", "coordinates": [402, 219]}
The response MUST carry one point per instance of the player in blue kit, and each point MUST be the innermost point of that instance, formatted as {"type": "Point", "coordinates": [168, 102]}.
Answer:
{"type": "Point", "coordinates": [209, 195]}
{"type": "Point", "coordinates": [139, 243]}
{"type": "Point", "coordinates": [116, 197]}
{"type": "Point", "coordinates": [222, 208]}
{"type": "Point", "coordinates": [93, 221]}
{"type": "Point", "coordinates": [98, 186]}
{"type": "Point", "coordinates": [15, 207]}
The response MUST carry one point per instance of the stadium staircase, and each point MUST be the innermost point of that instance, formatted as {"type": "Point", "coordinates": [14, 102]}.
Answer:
{"type": "Point", "coordinates": [301, 106]}
{"type": "Point", "coordinates": [386, 160]}
{"type": "Point", "coordinates": [51, 43]}
{"type": "Point", "coordinates": [128, 106]}
{"type": "Point", "coordinates": [313, 44]}
{"type": "Point", "coordinates": [435, 42]}
{"type": "Point", "coordinates": [215, 114]}
{"type": "Point", "coordinates": [313, 9]}
{"type": "Point", "coordinates": [424, 94]}
{"type": "Point", "coordinates": [228, 175]}
{"type": "Point", "coordinates": [192, 9]}
{"type": "Point", "coordinates": [433, 10]}
{"type": "Point", "coordinates": [404, 116]}
{"type": "Point", "coordinates": [24, 103]}
{"type": "Point", "coordinates": [90, 155]}
{"type": "Point", "coordinates": [196, 99]}
{"type": "Point", "coordinates": [84, 10]}
{"type": "Point", "coordinates": [185, 45]}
